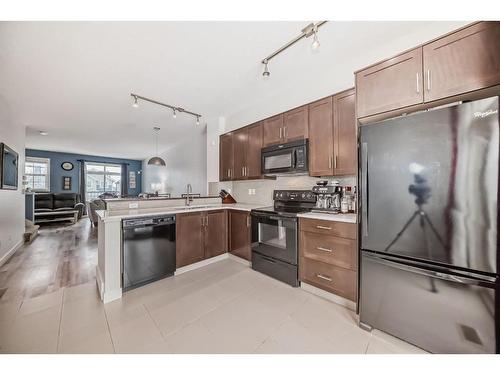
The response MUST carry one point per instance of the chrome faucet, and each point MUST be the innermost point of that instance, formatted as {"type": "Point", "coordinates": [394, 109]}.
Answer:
{"type": "Point", "coordinates": [189, 198]}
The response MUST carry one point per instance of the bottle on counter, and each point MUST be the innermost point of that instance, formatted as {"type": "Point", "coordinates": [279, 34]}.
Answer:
{"type": "Point", "coordinates": [344, 203]}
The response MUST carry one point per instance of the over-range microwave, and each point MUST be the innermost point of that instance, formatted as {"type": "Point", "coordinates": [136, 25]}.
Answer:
{"type": "Point", "coordinates": [287, 158]}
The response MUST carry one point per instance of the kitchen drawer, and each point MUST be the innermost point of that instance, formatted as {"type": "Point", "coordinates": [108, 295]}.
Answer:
{"type": "Point", "coordinates": [333, 279]}
{"type": "Point", "coordinates": [332, 228]}
{"type": "Point", "coordinates": [329, 249]}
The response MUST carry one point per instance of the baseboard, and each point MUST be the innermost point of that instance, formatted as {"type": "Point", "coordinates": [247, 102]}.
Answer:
{"type": "Point", "coordinates": [240, 260]}
{"type": "Point", "coordinates": [100, 282]}
{"type": "Point", "coordinates": [201, 263]}
{"type": "Point", "coordinates": [329, 296]}
{"type": "Point", "coordinates": [11, 252]}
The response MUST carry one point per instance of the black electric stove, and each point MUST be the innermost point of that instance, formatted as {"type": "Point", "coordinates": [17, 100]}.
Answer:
{"type": "Point", "coordinates": [275, 234]}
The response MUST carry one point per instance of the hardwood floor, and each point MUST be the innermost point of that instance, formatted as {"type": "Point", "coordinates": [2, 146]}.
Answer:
{"type": "Point", "coordinates": [62, 255]}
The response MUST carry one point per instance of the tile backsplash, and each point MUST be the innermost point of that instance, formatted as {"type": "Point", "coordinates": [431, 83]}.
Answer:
{"type": "Point", "coordinates": [261, 191]}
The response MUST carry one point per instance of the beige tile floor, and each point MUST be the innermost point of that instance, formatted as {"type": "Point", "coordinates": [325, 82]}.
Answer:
{"type": "Point", "coordinates": [222, 308]}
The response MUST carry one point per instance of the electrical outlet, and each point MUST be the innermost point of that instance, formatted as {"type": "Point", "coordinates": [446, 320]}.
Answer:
{"type": "Point", "coordinates": [133, 205]}
{"type": "Point", "coordinates": [249, 191]}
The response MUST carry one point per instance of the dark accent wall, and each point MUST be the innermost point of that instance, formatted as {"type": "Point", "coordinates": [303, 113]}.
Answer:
{"type": "Point", "coordinates": [57, 173]}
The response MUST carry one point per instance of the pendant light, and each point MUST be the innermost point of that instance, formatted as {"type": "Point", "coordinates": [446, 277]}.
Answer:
{"type": "Point", "coordinates": [156, 160]}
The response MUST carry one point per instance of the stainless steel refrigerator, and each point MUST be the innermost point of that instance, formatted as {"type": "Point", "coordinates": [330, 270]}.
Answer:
{"type": "Point", "coordinates": [429, 221]}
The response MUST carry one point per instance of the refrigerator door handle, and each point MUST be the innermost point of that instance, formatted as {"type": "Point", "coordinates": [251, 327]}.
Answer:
{"type": "Point", "coordinates": [364, 188]}
{"type": "Point", "coordinates": [486, 281]}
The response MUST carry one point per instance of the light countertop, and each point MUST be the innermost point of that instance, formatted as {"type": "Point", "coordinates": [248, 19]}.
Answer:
{"type": "Point", "coordinates": [345, 218]}
{"type": "Point", "coordinates": [117, 215]}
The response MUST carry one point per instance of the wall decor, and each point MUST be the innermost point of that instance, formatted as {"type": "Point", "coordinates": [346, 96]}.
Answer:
{"type": "Point", "coordinates": [67, 166]}
{"type": "Point", "coordinates": [9, 160]}
{"type": "Point", "coordinates": [131, 180]}
{"type": "Point", "coordinates": [66, 183]}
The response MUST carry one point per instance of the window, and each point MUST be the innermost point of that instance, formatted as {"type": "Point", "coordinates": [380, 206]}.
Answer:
{"type": "Point", "coordinates": [102, 178]}
{"type": "Point", "coordinates": [37, 172]}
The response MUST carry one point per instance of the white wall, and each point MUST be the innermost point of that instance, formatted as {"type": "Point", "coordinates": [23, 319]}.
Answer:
{"type": "Point", "coordinates": [186, 163]}
{"type": "Point", "coordinates": [333, 73]}
{"type": "Point", "coordinates": [11, 201]}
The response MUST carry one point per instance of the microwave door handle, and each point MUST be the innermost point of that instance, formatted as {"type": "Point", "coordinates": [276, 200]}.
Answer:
{"type": "Point", "coordinates": [294, 159]}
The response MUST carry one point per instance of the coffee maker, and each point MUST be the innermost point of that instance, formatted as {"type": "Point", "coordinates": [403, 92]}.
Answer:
{"type": "Point", "coordinates": [329, 194]}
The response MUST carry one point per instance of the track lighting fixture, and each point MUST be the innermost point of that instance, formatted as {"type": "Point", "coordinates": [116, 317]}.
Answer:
{"type": "Point", "coordinates": [266, 72]}
{"type": "Point", "coordinates": [173, 108]}
{"type": "Point", "coordinates": [306, 32]}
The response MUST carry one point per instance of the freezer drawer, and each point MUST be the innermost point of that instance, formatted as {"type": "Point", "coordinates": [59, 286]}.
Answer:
{"type": "Point", "coordinates": [439, 312]}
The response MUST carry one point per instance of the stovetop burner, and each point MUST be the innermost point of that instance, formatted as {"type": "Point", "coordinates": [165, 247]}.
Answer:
{"type": "Point", "coordinates": [290, 203]}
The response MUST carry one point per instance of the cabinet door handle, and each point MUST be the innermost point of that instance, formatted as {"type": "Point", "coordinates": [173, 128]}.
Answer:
{"type": "Point", "coordinates": [418, 84]}
{"type": "Point", "coordinates": [243, 171]}
{"type": "Point", "coordinates": [324, 249]}
{"type": "Point", "coordinates": [246, 171]}
{"type": "Point", "coordinates": [281, 130]}
{"type": "Point", "coordinates": [428, 80]}
{"type": "Point", "coordinates": [330, 162]}
{"type": "Point", "coordinates": [284, 131]}
{"type": "Point", "coordinates": [320, 276]}
{"type": "Point", "coordinates": [335, 162]}
{"type": "Point", "coordinates": [322, 227]}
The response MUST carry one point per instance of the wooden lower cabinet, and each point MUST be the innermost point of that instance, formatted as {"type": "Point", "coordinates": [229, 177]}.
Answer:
{"type": "Point", "coordinates": [240, 234]}
{"type": "Point", "coordinates": [215, 233]}
{"type": "Point", "coordinates": [200, 235]}
{"type": "Point", "coordinates": [190, 235]}
{"type": "Point", "coordinates": [337, 280]}
{"type": "Point", "coordinates": [328, 256]}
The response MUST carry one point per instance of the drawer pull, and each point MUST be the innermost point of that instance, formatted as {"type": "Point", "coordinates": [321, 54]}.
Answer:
{"type": "Point", "coordinates": [320, 276]}
{"type": "Point", "coordinates": [324, 249]}
{"type": "Point", "coordinates": [322, 227]}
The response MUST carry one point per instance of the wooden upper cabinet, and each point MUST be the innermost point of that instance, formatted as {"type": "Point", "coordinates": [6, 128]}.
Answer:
{"type": "Point", "coordinates": [344, 133]}
{"type": "Point", "coordinates": [391, 84]}
{"type": "Point", "coordinates": [295, 124]}
{"type": "Point", "coordinates": [240, 139]}
{"type": "Point", "coordinates": [215, 233]}
{"type": "Point", "coordinates": [273, 130]}
{"type": "Point", "coordinates": [240, 234]}
{"type": "Point", "coordinates": [466, 60]}
{"type": "Point", "coordinates": [189, 238]}
{"type": "Point", "coordinates": [253, 151]}
{"type": "Point", "coordinates": [321, 137]}
{"type": "Point", "coordinates": [226, 157]}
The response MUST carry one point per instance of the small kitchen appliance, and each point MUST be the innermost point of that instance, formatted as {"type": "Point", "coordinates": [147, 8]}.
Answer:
{"type": "Point", "coordinates": [328, 197]}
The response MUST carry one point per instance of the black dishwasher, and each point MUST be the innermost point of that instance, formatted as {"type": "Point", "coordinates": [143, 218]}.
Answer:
{"type": "Point", "coordinates": [148, 250]}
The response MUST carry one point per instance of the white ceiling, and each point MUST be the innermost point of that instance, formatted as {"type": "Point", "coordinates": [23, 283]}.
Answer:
{"type": "Point", "coordinates": [74, 79]}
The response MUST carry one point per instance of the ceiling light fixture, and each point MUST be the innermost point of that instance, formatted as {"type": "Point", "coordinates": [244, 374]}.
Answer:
{"type": "Point", "coordinates": [197, 120]}
{"type": "Point", "coordinates": [42, 132]}
{"type": "Point", "coordinates": [172, 107]}
{"type": "Point", "coordinates": [306, 32]}
{"type": "Point", "coordinates": [266, 72]}
{"type": "Point", "coordinates": [135, 104]}
{"type": "Point", "coordinates": [315, 44]}
{"type": "Point", "coordinates": [156, 160]}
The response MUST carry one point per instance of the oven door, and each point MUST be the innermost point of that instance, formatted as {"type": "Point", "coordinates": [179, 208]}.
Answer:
{"type": "Point", "coordinates": [275, 236]}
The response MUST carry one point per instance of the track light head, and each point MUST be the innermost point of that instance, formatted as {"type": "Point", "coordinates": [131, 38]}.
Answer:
{"type": "Point", "coordinates": [197, 120]}
{"type": "Point", "coordinates": [175, 114]}
{"type": "Point", "coordinates": [266, 72]}
{"type": "Point", "coordinates": [135, 104]}
{"type": "Point", "coordinates": [315, 44]}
